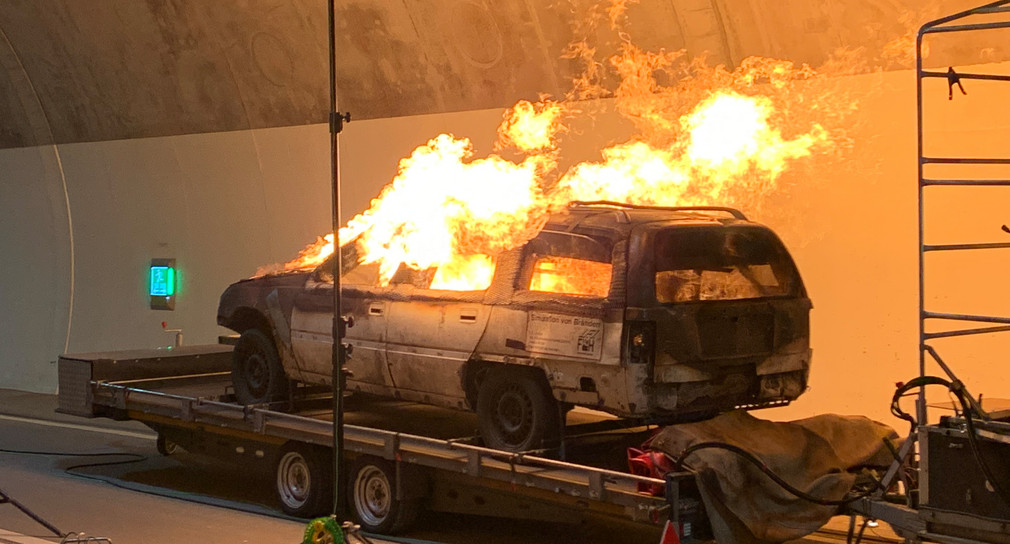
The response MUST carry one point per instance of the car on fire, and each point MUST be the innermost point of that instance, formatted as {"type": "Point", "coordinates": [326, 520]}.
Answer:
{"type": "Point", "coordinates": [661, 313]}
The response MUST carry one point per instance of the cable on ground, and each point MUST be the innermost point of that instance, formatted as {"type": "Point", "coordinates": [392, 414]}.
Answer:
{"type": "Point", "coordinates": [754, 460]}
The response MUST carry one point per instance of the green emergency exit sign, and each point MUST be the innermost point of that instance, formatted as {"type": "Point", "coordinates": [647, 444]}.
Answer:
{"type": "Point", "coordinates": [161, 284]}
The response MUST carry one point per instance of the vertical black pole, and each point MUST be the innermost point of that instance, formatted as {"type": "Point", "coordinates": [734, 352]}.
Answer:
{"type": "Point", "coordinates": [336, 123]}
{"type": "Point", "coordinates": [920, 406]}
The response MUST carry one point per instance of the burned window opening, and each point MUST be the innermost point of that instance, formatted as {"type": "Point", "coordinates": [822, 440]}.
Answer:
{"type": "Point", "coordinates": [466, 274]}
{"type": "Point", "coordinates": [473, 273]}
{"type": "Point", "coordinates": [567, 264]}
{"type": "Point", "coordinates": [721, 264]}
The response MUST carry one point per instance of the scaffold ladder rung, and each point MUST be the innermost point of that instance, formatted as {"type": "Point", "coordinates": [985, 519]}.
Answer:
{"type": "Point", "coordinates": [958, 247]}
{"type": "Point", "coordinates": [964, 160]}
{"type": "Point", "coordinates": [967, 182]}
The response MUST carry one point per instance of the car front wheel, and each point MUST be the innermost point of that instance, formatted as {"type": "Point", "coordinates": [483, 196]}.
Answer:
{"type": "Point", "coordinates": [257, 373]}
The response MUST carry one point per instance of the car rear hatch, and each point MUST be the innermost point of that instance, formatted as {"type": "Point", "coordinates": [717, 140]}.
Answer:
{"type": "Point", "coordinates": [713, 300]}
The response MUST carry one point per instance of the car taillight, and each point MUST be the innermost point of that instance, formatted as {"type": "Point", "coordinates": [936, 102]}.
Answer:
{"type": "Point", "coordinates": [641, 342]}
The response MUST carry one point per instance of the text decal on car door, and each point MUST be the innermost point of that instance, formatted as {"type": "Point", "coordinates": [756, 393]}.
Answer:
{"type": "Point", "coordinates": [559, 334]}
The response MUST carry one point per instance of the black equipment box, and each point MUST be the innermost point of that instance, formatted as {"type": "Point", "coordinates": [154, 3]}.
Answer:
{"type": "Point", "coordinates": [953, 480]}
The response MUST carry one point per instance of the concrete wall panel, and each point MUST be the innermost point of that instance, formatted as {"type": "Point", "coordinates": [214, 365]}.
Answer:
{"type": "Point", "coordinates": [36, 271]}
{"type": "Point", "coordinates": [217, 203]}
{"type": "Point", "coordinates": [224, 204]}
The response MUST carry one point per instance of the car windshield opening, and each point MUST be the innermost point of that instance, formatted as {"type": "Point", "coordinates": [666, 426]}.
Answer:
{"type": "Point", "coordinates": [351, 274]}
{"type": "Point", "coordinates": [724, 263]}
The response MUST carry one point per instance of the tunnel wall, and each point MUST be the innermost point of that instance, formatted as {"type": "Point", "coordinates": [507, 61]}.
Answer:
{"type": "Point", "coordinates": [98, 175]}
{"type": "Point", "coordinates": [224, 204]}
{"type": "Point", "coordinates": [84, 230]}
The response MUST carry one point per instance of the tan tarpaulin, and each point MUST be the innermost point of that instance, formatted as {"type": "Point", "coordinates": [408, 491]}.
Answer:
{"type": "Point", "coordinates": [814, 455]}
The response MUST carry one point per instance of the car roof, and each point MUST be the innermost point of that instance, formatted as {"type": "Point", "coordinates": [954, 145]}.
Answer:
{"type": "Point", "coordinates": [617, 219]}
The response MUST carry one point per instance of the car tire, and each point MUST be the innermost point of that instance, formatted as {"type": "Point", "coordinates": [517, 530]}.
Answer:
{"type": "Point", "coordinates": [516, 410]}
{"type": "Point", "coordinates": [372, 497]}
{"type": "Point", "coordinates": [304, 478]}
{"type": "Point", "coordinates": [256, 371]}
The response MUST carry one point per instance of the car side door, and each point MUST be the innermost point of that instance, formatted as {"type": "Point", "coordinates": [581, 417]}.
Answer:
{"type": "Point", "coordinates": [312, 338]}
{"type": "Point", "coordinates": [431, 334]}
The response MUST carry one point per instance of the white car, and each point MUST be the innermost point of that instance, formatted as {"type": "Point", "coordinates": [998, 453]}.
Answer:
{"type": "Point", "coordinates": [642, 312]}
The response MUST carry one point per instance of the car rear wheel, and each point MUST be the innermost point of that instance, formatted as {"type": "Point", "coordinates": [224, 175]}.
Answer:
{"type": "Point", "coordinates": [516, 411]}
{"type": "Point", "coordinates": [256, 371]}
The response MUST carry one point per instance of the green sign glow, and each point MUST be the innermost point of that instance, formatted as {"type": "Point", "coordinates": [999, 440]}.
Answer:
{"type": "Point", "coordinates": [162, 281]}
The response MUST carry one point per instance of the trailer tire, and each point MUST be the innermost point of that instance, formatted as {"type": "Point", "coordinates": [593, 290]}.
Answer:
{"type": "Point", "coordinates": [304, 479]}
{"type": "Point", "coordinates": [516, 410]}
{"type": "Point", "coordinates": [256, 370]}
{"type": "Point", "coordinates": [165, 446]}
{"type": "Point", "coordinates": [372, 496]}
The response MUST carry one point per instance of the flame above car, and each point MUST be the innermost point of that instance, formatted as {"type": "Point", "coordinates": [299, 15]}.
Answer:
{"type": "Point", "coordinates": [449, 210]}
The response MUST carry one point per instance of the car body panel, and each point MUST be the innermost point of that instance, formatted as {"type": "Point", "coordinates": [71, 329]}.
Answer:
{"type": "Point", "coordinates": [701, 313]}
{"type": "Point", "coordinates": [312, 325]}
{"type": "Point", "coordinates": [430, 339]}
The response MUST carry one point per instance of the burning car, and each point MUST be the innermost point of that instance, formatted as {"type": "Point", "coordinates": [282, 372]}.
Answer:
{"type": "Point", "coordinates": [666, 313]}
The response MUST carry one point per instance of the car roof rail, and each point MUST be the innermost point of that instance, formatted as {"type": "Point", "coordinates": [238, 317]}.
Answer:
{"type": "Point", "coordinates": [610, 204]}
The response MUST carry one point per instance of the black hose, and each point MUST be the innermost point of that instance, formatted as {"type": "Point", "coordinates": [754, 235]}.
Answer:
{"type": "Point", "coordinates": [5, 498]}
{"type": "Point", "coordinates": [130, 457]}
{"type": "Point", "coordinates": [768, 472]}
{"type": "Point", "coordinates": [69, 454]}
{"type": "Point", "coordinates": [914, 383]}
{"type": "Point", "coordinates": [859, 536]}
{"type": "Point", "coordinates": [961, 393]}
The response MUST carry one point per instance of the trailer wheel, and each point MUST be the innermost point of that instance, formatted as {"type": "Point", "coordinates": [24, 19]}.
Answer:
{"type": "Point", "coordinates": [165, 446]}
{"type": "Point", "coordinates": [304, 480]}
{"type": "Point", "coordinates": [373, 498]}
{"type": "Point", "coordinates": [256, 370]}
{"type": "Point", "coordinates": [515, 410]}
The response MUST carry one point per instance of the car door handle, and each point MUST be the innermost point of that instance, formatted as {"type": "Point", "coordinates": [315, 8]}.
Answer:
{"type": "Point", "coordinates": [376, 309]}
{"type": "Point", "coordinates": [468, 317]}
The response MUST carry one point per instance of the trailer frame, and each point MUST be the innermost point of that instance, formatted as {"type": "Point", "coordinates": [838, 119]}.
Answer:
{"type": "Point", "coordinates": [162, 389]}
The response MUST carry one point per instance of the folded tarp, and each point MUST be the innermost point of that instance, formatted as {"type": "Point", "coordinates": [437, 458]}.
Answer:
{"type": "Point", "coordinates": [816, 455]}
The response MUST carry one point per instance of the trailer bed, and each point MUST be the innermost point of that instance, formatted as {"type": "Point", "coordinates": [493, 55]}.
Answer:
{"type": "Point", "coordinates": [184, 394]}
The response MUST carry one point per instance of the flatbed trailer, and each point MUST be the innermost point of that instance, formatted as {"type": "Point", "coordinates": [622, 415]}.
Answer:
{"type": "Point", "coordinates": [184, 395]}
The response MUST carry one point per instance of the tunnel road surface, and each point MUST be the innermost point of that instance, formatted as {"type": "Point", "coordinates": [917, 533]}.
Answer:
{"type": "Point", "coordinates": [137, 495]}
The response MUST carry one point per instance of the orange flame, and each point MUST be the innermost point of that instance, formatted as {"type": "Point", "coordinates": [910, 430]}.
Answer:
{"type": "Point", "coordinates": [730, 133]}
{"type": "Point", "coordinates": [531, 127]}
{"type": "Point", "coordinates": [701, 141]}
{"type": "Point", "coordinates": [571, 276]}
{"type": "Point", "coordinates": [465, 273]}
{"type": "Point", "coordinates": [443, 204]}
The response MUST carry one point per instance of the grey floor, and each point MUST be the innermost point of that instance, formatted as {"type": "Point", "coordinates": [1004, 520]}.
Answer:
{"type": "Point", "coordinates": [96, 500]}
{"type": "Point", "coordinates": [143, 497]}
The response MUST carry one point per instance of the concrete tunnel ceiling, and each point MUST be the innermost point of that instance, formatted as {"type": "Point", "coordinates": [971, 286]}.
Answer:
{"type": "Point", "coordinates": [116, 69]}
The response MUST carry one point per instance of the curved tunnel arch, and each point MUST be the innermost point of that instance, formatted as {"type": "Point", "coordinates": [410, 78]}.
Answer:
{"type": "Point", "coordinates": [52, 278]}
{"type": "Point", "coordinates": [114, 69]}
